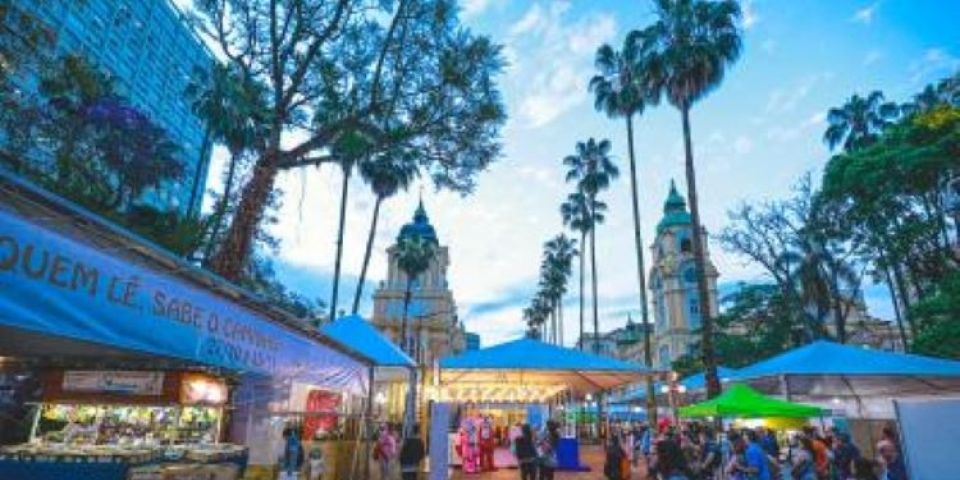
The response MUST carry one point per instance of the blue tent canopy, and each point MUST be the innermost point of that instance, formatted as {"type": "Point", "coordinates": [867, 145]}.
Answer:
{"type": "Point", "coordinates": [531, 361]}
{"type": "Point", "coordinates": [359, 335]}
{"type": "Point", "coordinates": [826, 369]}
{"type": "Point", "coordinates": [692, 383]}
{"type": "Point", "coordinates": [829, 358]}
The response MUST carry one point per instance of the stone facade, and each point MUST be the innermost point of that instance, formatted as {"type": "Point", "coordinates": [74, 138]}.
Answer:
{"type": "Point", "coordinates": [673, 283]}
{"type": "Point", "coordinates": [432, 324]}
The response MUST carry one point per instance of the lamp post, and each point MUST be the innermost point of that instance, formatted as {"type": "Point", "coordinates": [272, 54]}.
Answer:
{"type": "Point", "coordinates": [672, 389]}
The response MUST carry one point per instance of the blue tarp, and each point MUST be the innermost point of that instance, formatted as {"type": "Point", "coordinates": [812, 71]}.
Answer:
{"type": "Point", "coordinates": [531, 354]}
{"type": "Point", "coordinates": [361, 336]}
{"type": "Point", "coordinates": [532, 362]}
{"type": "Point", "coordinates": [829, 358]}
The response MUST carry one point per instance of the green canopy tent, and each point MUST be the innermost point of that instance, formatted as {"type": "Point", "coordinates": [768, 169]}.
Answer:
{"type": "Point", "coordinates": [741, 401]}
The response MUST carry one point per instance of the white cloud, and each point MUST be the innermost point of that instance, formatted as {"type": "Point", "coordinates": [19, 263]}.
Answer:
{"type": "Point", "coordinates": [742, 145]}
{"type": "Point", "coordinates": [473, 8]}
{"type": "Point", "coordinates": [750, 16]}
{"type": "Point", "coordinates": [557, 55]}
{"type": "Point", "coordinates": [783, 100]}
{"type": "Point", "coordinates": [865, 15]}
{"type": "Point", "coordinates": [935, 62]}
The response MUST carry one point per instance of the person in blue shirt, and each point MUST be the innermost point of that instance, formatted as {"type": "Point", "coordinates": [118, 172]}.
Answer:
{"type": "Point", "coordinates": [757, 462]}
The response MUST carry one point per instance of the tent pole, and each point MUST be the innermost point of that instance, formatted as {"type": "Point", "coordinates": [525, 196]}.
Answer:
{"type": "Point", "coordinates": [369, 424]}
{"type": "Point", "coordinates": [785, 387]}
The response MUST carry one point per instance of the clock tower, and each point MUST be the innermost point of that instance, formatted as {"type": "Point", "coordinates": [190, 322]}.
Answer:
{"type": "Point", "coordinates": [673, 283]}
{"type": "Point", "coordinates": [432, 323]}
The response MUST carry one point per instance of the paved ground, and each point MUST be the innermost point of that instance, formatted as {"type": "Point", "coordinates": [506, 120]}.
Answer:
{"type": "Point", "coordinates": [590, 455]}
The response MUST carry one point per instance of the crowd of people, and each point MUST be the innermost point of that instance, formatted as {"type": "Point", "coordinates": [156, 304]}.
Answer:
{"type": "Point", "coordinates": [694, 451]}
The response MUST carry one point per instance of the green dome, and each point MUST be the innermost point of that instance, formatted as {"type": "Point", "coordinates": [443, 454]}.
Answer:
{"type": "Point", "coordinates": [419, 227]}
{"type": "Point", "coordinates": [674, 210]}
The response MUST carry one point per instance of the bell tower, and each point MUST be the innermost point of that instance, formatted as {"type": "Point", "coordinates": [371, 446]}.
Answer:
{"type": "Point", "coordinates": [673, 282]}
{"type": "Point", "coordinates": [432, 322]}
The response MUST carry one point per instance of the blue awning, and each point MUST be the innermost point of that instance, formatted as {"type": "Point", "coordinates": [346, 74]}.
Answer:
{"type": "Point", "coordinates": [530, 361]}
{"type": "Point", "coordinates": [359, 335]}
{"type": "Point", "coordinates": [829, 358]}
{"type": "Point", "coordinates": [692, 383]}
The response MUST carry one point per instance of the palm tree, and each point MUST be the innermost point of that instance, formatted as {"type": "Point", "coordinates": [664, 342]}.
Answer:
{"type": "Point", "coordinates": [579, 213]}
{"type": "Point", "coordinates": [859, 122]}
{"type": "Point", "coordinates": [414, 255]}
{"type": "Point", "coordinates": [593, 169]}
{"type": "Point", "coordinates": [349, 149]}
{"type": "Point", "coordinates": [623, 87]}
{"type": "Point", "coordinates": [691, 44]}
{"type": "Point", "coordinates": [231, 106]}
{"type": "Point", "coordinates": [558, 254]}
{"type": "Point", "coordinates": [386, 176]}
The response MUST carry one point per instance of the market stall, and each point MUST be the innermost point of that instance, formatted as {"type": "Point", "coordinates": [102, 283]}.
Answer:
{"type": "Point", "coordinates": [536, 375]}
{"type": "Point", "coordinates": [118, 355]}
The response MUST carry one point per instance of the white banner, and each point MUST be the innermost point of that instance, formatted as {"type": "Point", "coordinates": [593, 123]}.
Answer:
{"type": "Point", "coordinates": [115, 381]}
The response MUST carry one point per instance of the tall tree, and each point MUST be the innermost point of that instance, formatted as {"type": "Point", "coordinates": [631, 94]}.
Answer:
{"type": "Point", "coordinates": [406, 74]}
{"type": "Point", "coordinates": [592, 168]}
{"type": "Point", "coordinates": [576, 214]}
{"type": "Point", "coordinates": [414, 255]}
{"type": "Point", "coordinates": [692, 43]}
{"type": "Point", "coordinates": [386, 175]}
{"type": "Point", "coordinates": [859, 122]}
{"type": "Point", "coordinates": [232, 109]}
{"type": "Point", "coordinates": [623, 88]}
{"type": "Point", "coordinates": [558, 253]}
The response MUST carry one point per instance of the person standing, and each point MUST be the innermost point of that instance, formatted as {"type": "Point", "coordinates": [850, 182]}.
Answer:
{"type": "Point", "coordinates": [614, 459]}
{"type": "Point", "coordinates": [802, 464]}
{"type": "Point", "coordinates": [526, 453]}
{"type": "Point", "coordinates": [385, 450]}
{"type": "Point", "coordinates": [844, 454]}
{"type": "Point", "coordinates": [548, 451]}
{"type": "Point", "coordinates": [669, 461]}
{"type": "Point", "coordinates": [292, 453]}
{"type": "Point", "coordinates": [893, 466]}
{"type": "Point", "coordinates": [708, 459]}
{"type": "Point", "coordinates": [757, 461]}
{"type": "Point", "coordinates": [411, 454]}
{"type": "Point", "coordinates": [486, 445]}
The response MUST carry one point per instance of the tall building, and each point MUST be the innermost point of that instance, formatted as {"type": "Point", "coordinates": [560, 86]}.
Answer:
{"type": "Point", "coordinates": [432, 324]}
{"type": "Point", "coordinates": [152, 53]}
{"type": "Point", "coordinates": [673, 282]}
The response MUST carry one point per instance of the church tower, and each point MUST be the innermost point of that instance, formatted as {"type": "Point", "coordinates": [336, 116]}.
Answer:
{"type": "Point", "coordinates": [673, 282]}
{"type": "Point", "coordinates": [432, 322]}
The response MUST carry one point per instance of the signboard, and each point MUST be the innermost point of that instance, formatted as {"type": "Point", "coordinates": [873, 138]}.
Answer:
{"type": "Point", "coordinates": [106, 381]}
{"type": "Point", "coordinates": [439, 441]}
{"type": "Point", "coordinates": [53, 284]}
{"type": "Point", "coordinates": [199, 389]}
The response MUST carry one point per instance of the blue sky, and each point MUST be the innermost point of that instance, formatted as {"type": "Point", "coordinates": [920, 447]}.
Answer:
{"type": "Point", "coordinates": [753, 138]}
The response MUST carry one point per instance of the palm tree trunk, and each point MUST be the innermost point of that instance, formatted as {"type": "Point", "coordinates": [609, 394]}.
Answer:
{"type": "Point", "coordinates": [896, 310]}
{"type": "Point", "coordinates": [901, 285]}
{"type": "Point", "coordinates": [410, 409]}
{"type": "Point", "coordinates": [560, 319]}
{"type": "Point", "coordinates": [641, 273]}
{"type": "Point", "coordinates": [366, 255]}
{"type": "Point", "coordinates": [336, 265]}
{"type": "Point", "coordinates": [202, 162]}
{"type": "Point", "coordinates": [706, 341]}
{"type": "Point", "coordinates": [222, 206]}
{"type": "Point", "coordinates": [593, 280]}
{"type": "Point", "coordinates": [237, 247]}
{"type": "Point", "coordinates": [583, 241]}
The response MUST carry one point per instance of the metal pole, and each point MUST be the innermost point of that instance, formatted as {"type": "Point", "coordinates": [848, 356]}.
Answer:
{"type": "Point", "coordinates": [367, 428]}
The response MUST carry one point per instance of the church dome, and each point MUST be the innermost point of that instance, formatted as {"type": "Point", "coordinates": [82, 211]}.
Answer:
{"type": "Point", "coordinates": [674, 210]}
{"type": "Point", "coordinates": [419, 227]}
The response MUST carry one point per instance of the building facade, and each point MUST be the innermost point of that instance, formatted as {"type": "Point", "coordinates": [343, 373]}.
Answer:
{"type": "Point", "coordinates": [673, 282]}
{"type": "Point", "coordinates": [624, 343]}
{"type": "Point", "coordinates": [432, 324]}
{"type": "Point", "coordinates": [152, 53]}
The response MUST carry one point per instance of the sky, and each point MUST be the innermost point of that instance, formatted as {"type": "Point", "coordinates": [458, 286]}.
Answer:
{"type": "Point", "coordinates": [754, 137]}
